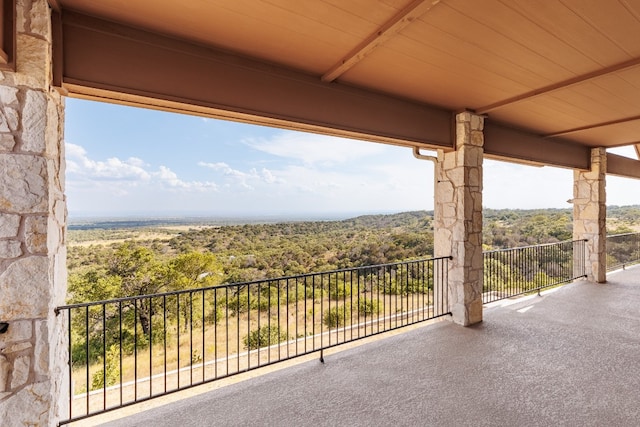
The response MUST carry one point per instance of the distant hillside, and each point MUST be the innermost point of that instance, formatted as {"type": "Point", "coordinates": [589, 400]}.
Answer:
{"type": "Point", "coordinates": [257, 251]}
{"type": "Point", "coordinates": [415, 221]}
{"type": "Point", "coordinates": [623, 219]}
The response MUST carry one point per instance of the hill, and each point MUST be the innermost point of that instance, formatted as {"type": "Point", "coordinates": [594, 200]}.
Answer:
{"type": "Point", "coordinates": [264, 250]}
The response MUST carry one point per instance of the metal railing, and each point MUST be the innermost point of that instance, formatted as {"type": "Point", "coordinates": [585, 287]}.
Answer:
{"type": "Point", "coordinates": [128, 350]}
{"type": "Point", "coordinates": [512, 272]}
{"type": "Point", "coordinates": [623, 250]}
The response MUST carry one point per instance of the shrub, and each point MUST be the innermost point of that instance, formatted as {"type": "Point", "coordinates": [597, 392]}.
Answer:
{"type": "Point", "coordinates": [264, 337]}
{"type": "Point", "coordinates": [268, 298]}
{"type": "Point", "coordinates": [339, 291]}
{"type": "Point", "coordinates": [214, 315]}
{"type": "Point", "coordinates": [302, 292]}
{"type": "Point", "coordinates": [113, 370]}
{"type": "Point", "coordinates": [238, 304]}
{"type": "Point", "coordinates": [368, 307]}
{"type": "Point", "coordinates": [336, 316]}
{"type": "Point", "coordinates": [243, 302]}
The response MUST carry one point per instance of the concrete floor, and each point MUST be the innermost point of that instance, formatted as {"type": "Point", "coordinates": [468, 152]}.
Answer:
{"type": "Point", "coordinates": [568, 358]}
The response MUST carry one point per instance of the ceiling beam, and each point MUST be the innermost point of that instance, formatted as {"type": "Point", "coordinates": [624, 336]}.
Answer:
{"type": "Point", "coordinates": [559, 85]}
{"type": "Point", "coordinates": [623, 166]}
{"type": "Point", "coordinates": [593, 126]}
{"type": "Point", "coordinates": [113, 62]}
{"type": "Point", "coordinates": [389, 29]}
{"type": "Point", "coordinates": [505, 143]}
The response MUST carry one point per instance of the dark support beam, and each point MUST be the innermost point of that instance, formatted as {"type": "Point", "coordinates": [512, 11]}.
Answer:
{"type": "Point", "coordinates": [8, 35]}
{"type": "Point", "coordinates": [105, 60]}
{"type": "Point", "coordinates": [623, 166]}
{"type": "Point", "coordinates": [57, 51]}
{"type": "Point", "coordinates": [515, 145]}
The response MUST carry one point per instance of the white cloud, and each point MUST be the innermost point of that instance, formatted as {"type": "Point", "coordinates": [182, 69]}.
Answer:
{"type": "Point", "coordinates": [170, 179]}
{"type": "Point", "coordinates": [314, 149]}
{"type": "Point", "coordinates": [319, 174]}
{"type": "Point", "coordinates": [269, 178]}
{"type": "Point", "coordinates": [79, 163]}
{"type": "Point", "coordinates": [329, 175]}
{"type": "Point", "coordinates": [346, 176]}
{"type": "Point", "coordinates": [118, 177]}
{"type": "Point", "coordinates": [247, 180]}
{"type": "Point", "coordinates": [270, 171]}
{"type": "Point", "coordinates": [224, 168]}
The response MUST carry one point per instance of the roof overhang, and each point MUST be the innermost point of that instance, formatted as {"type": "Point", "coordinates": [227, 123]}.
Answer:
{"type": "Point", "coordinates": [393, 71]}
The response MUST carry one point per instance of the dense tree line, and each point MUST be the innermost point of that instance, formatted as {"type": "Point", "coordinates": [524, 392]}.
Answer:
{"type": "Point", "coordinates": [506, 228]}
{"type": "Point", "coordinates": [257, 251]}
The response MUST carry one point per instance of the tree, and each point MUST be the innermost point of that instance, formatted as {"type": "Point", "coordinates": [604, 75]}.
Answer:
{"type": "Point", "coordinates": [195, 269]}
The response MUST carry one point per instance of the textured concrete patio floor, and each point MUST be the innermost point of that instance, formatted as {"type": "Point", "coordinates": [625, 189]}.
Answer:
{"type": "Point", "coordinates": [568, 358]}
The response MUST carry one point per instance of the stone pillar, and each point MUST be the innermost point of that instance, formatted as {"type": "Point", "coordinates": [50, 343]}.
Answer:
{"type": "Point", "coordinates": [33, 350]}
{"type": "Point", "coordinates": [590, 214]}
{"type": "Point", "coordinates": [458, 218]}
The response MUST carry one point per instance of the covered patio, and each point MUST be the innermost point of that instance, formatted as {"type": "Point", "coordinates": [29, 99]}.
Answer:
{"type": "Point", "coordinates": [552, 83]}
{"type": "Point", "coordinates": [568, 357]}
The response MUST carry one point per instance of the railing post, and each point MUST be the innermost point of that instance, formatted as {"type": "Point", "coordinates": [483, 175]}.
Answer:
{"type": "Point", "coordinates": [441, 286]}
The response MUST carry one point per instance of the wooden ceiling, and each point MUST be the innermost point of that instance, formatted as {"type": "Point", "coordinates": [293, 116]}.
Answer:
{"type": "Point", "coordinates": [556, 71]}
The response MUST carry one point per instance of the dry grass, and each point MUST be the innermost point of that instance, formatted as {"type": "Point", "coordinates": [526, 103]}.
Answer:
{"type": "Point", "coordinates": [140, 236]}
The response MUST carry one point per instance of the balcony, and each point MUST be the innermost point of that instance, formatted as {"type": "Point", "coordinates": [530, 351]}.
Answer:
{"type": "Point", "coordinates": [528, 350]}
{"type": "Point", "coordinates": [567, 357]}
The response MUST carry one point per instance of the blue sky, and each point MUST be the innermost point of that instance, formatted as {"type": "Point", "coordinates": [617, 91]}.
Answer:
{"type": "Point", "coordinates": [132, 161]}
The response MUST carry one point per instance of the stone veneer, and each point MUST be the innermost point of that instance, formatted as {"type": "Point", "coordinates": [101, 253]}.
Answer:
{"type": "Point", "coordinates": [590, 213]}
{"type": "Point", "coordinates": [33, 351]}
{"type": "Point", "coordinates": [458, 218]}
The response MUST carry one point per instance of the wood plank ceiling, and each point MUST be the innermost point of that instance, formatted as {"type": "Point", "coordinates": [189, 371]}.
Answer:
{"type": "Point", "coordinates": [562, 70]}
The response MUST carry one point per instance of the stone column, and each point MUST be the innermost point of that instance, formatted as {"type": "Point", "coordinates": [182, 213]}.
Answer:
{"type": "Point", "coordinates": [590, 214]}
{"type": "Point", "coordinates": [33, 350]}
{"type": "Point", "coordinates": [458, 218]}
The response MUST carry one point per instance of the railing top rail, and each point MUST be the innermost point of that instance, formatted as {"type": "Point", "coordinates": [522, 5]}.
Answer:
{"type": "Point", "coordinates": [623, 234]}
{"type": "Point", "coordinates": [534, 246]}
{"type": "Point", "coordinates": [241, 284]}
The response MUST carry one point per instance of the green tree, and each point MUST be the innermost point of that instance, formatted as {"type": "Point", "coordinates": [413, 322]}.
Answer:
{"type": "Point", "coordinates": [195, 269]}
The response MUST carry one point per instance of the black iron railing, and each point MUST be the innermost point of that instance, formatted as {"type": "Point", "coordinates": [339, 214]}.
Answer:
{"type": "Point", "coordinates": [623, 250]}
{"type": "Point", "coordinates": [512, 272]}
{"type": "Point", "coordinates": [129, 350]}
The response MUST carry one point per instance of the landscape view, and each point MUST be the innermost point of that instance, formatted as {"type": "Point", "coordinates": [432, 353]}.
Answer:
{"type": "Point", "coordinates": [193, 263]}
{"type": "Point", "coordinates": [243, 252]}
{"type": "Point", "coordinates": [162, 297]}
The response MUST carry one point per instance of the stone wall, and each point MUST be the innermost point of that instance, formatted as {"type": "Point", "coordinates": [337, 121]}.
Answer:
{"type": "Point", "coordinates": [590, 214]}
{"type": "Point", "coordinates": [33, 351]}
{"type": "Point", "coordinates": [458, 218]}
